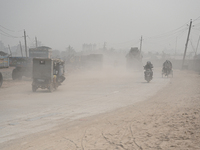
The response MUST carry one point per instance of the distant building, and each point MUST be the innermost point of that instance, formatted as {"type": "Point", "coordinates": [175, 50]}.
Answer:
{"type": "Point", "coordinates": [89, 47]}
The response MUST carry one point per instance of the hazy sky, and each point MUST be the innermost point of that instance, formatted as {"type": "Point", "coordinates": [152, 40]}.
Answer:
{"type": "Point", "coordinates": [119, 23]}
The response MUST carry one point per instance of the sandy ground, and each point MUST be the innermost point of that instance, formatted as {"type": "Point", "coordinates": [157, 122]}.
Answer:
{"type": "Point", "coordinates": [167, 119]}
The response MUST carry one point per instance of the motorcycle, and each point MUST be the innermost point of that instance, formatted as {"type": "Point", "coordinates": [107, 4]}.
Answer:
{"type": "Point", "coordinates": [148, 75]}
{"type": "Point", "coordinates": [167, 71]}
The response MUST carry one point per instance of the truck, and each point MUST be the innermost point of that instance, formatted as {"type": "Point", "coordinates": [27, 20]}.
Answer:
{"type": "Point", "coordinates": [23, 65]}
{"type": "Point", "coordinates": [134, 58]}
{"type": "Point", "coordinates": [47, 73]}
{"type": "Point", "coordinates": [4, 63]}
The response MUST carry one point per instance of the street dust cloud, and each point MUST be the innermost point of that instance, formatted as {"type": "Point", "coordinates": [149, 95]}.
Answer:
{"type": "Point", "coordinates": [109, 66]}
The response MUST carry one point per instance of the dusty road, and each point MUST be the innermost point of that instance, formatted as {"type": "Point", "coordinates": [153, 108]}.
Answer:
{"type": "Point", "coordinates": [82, 94]}
{"type": "Point", "coordinates": [104, 110]}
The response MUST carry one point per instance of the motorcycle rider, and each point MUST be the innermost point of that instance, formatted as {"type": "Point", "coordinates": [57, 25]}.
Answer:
{"type": "Point", "coordinates": [59, 72]}
{"type": "Point", "coordinates": [149, 65]}
{"type": "Point", "coordinates": [167, 65]}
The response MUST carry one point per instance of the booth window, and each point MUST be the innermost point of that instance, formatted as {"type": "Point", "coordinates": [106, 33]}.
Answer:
{"type": "Point", "coordinates": [42, 62]}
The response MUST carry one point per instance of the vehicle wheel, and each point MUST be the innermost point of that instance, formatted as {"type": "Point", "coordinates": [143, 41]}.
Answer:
{"type": "Point", "coordinates": [34, 88]}
{"type": "Point", "coordinates": [14, 74]}
{"type": "Point", "coordinates": [1, 79]}
{"type": "Point", "coordinates": [51, 88]}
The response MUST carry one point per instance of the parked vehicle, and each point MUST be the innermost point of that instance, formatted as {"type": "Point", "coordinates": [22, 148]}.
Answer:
{"type": "Point", "coordinates": [4, 63]}
{"type": "Point", "coordinates": [22, 67]}
{"type": "Point", "coordinates": [47, 73]}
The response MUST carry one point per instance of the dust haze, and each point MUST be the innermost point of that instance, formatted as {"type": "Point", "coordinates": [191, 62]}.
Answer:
{"type": "Point", "coordinates": [92, 74]}
{"type": "Point", "coordinates": [120, 24]}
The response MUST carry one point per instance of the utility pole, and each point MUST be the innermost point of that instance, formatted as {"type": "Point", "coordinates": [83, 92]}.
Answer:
{"type": "Point", "coordinates": [9, 50]}
{"type": "Point", "coordinates": [141, 44]}
{"type": "Point", "coordinates": [36, 42]}
{"type": "Point", "coordinates": [175, 49]}
{"type": "Point", "coordinates": [21, 48]}
{"type": "Point", "coordinates": [197, 46]}
{"type": "Point", "coordinates": [186, 43]}
{"type": "Point", "coordinates": [25, 43]}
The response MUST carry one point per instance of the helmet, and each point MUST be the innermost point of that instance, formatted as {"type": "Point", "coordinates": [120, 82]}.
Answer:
{"type": "Point", "coordinates": [148, 62]}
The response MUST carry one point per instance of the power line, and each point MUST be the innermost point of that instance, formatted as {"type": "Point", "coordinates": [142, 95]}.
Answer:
{"type": "Point", "coordinates": [196, 19]}
{"type": "Point", "coordinates": [181, 34]}
{"type": "Point", "coordinates": [4, 34]}
{"type": "Point", "coordinates": [192, 45]}
{"type": "Point", "coordinates": [8, 35]}
{"type": "Point", "coordinates": [169, 32]}
{"type": "Point", "coordinates": [168, 38]}
{"type": "Point", "coordinates": [6, 28]}
{"type": "Point", "coordinates": [30, 39]}
{"type": "Point", "coordinates": [178, 32]}
{"type": "Point", "coordinates": [167, 42]}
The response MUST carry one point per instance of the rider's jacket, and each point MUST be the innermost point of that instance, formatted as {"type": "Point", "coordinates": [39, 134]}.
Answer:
{"type": "Point", "coordinates": [148, 66]}
{"type": "Point", "coordinates": [167, 64]}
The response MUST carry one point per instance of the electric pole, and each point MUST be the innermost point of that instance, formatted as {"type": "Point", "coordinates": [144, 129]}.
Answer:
{"type": "Point", "coordinates": [36, 42]}
{"type": "Point", "coordinates": [21, 48]}
{"type": "Point", "coordinates": [197, 47]}
{"type": "Point", "coordinates": [25, 43]}
{"type": "Point", "coordinates": [140, 47]}
{"type": "Point", "coordinates": [186, 43]}
{"type": "Point", "coordinates": [9, 50]}
{"type": "Point", "coordinates": [141, 44]}
{"type": "Point", "coordinates": [175, 49]}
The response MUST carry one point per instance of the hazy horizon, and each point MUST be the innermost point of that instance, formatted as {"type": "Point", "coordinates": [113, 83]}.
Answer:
{"type": "Point", "coordinates": [60, 23]}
